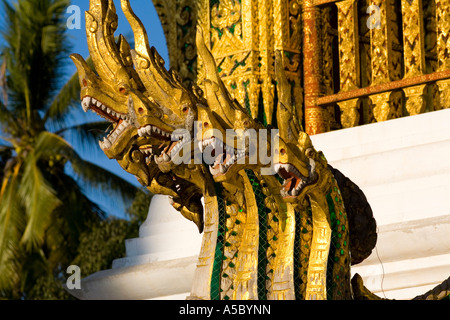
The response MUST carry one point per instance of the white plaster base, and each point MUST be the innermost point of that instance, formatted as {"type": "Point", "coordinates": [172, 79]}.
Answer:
{"type": "Point", "coordinates": [160, 264]}
{"type": "Point", "coordinates": [403, 168]}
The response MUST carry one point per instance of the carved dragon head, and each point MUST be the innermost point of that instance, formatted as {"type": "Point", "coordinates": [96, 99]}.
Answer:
{"type": "Point", "coordinates": [228, 136]}
{"type": "Point", "coordinates": [146, 104]}
{"type": "Point", "coordinates": [296, 162]}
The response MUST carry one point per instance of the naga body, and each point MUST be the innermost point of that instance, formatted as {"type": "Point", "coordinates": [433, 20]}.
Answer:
{"type": "Point", "coordinates": [277, 229]}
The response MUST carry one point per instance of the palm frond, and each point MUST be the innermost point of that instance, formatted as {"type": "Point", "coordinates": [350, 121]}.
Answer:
{"type": "Point", "coordinates": [34, 51]}
{"type": "Point", "coordinates": [89, 174]}
{"type": "Point", "coordinates": [112, 187]}
{"type": "Point", "coordinates": [8, 120]}
{"type": "Point", "coordinates": [10, 267]}
{"type": "Point", "coordinates": [11, 214]}
{"type": "Point", "coordinates": [85, 136]}
{"type": "Point", "coordinates": [39, 199]}
{"type": "Point", "coordinates": [3, 83]}
{"type": "Point", "coordinates": [65, 100]}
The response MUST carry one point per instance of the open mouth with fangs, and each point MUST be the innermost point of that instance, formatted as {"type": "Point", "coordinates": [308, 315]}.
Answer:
{"type": "Point", "coordinates": [119, 121]}
{"type": "Point", "coordinates": [163, 146]}
{"type": "Point", "coordinates": [293, 180]}
{"type": "Point", "coordinates": [222, 156]}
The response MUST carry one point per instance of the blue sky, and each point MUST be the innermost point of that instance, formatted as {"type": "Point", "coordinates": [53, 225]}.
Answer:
{"type": "Point", "coordinates": [146, 12]}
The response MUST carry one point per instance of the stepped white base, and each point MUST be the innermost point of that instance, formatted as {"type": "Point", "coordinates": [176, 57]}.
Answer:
{"type": "Point", "coordinates": [171, 279]}
{"type": "Point", "coordinates": [160, 264]}
{"type": "Point", "coordinates": [403, 168]}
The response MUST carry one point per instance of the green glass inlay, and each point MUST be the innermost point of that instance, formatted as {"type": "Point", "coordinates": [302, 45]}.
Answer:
{"type": "Point", "coordinates": [218, 254]}
{"type": "Point", "coordinates": [332, 215]}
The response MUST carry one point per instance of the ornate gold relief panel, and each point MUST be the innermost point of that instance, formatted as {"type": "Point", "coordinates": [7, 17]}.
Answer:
{"type": "Point", "coordinates": [443, 48]}
{"type": "Point", "coordinates": [243, 36]}
{"type": "Point", "coordinates": [413, 40]}
{"type": "Point", "coordinates": [178, 19]}
{"type": "Point", "coordinates": [443, 33]}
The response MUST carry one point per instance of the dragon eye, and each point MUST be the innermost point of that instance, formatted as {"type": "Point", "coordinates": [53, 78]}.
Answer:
{"type": "Point", "coordinates": [246, 123]}
{"type": "Point", "coordinates": [282, 151]}
{"type": "Point", "coordinates": [141, 110]}
{"type": "Point", "coordinates": [185, 109]}
{"type": "Point", "coordinates": [122, 90]}
{"type": "Point", "coordinates": [84, 83]}
{"type": "Point", "coordinates": [205, 124]}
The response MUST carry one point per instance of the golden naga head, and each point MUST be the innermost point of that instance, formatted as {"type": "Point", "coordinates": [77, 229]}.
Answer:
{"type": "Point", "coordinates": [131, 87]}
{"type": "Point", "coordinates": [227, 134]}
{"type": "Point", "coordinates": [144, 102]}
{"type": "Point", "coordinates": [295, 156]}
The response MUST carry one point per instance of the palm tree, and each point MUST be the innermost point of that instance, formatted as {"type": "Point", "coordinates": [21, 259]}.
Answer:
{"type": "Point", "coordinates": [43, 204]}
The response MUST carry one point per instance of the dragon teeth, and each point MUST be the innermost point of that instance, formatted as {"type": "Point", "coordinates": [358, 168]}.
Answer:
{"type": "Point", "coordinates": [147, 151]}
{"type": "Point", "coordinates": [121, 127]}
{"type": "Point", "coordinates": [144, 131]}
{"type": "Point", "coordinates": [105, 144]}
{"type": "Point", "coordinates": [277, 167]}
{"type": "Point", "coordinates": [86, 103]}
{"type": "Point", "coordinates": [148, 129]}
